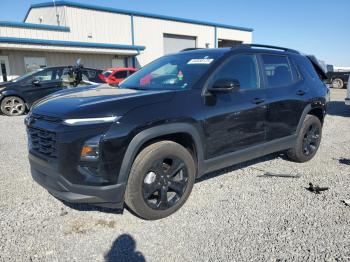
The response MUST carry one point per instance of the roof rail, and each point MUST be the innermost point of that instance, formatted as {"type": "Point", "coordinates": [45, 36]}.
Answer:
{"type": "Point", "coordinates": [190, 49]}
{"type": "Point", "coordinates": [269, 46]}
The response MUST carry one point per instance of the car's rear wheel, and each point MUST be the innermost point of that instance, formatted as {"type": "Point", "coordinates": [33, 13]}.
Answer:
{"type": "Point", "coordinates": [337, 83]}
{"type": "Point", "coordinates": [308, 141]}
{"type": "Point", "coordinates": [160, 181]}
{"type": "Point", "coordinates": [13, 106]}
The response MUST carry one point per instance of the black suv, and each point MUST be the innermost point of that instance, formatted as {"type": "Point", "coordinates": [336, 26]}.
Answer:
{"type": "Point", "coordinates": [182, 116]}
{"type": "Point", "coordinates": [19, 94]}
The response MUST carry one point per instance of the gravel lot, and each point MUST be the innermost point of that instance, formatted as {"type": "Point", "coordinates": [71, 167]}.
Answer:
{"type": "Point", "coordinates": [236, 214]}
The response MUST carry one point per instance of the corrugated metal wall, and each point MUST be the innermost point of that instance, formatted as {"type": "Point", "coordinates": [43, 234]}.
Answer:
{"type": "Point", "coordinates": [149, 32]}
{"type": "Point", "coordinates": [106, 27]}
{"type": "Point", "coordinates": [48, 15]}
{"type": "Point", "coordinates": [17, 67]}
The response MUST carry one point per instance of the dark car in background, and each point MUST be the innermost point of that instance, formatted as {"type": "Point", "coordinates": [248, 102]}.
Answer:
{"type": "Point", "coordinates": [174, 120]}
{"type": "Point", "coordinates": [338, 79]}
{"type": "Point", "coordinates": [18, 95]}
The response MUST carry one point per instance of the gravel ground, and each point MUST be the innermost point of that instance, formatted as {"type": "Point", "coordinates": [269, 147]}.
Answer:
{"type": "Point", "coordinates": [236, 214]}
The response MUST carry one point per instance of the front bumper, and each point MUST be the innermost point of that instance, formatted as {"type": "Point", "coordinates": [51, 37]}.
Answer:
{"type": "Point", "coordinates": [46, 174]}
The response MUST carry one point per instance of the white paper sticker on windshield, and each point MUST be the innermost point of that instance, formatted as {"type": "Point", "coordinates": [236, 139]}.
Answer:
{"type": "Point", "coordinates": [203, 61]}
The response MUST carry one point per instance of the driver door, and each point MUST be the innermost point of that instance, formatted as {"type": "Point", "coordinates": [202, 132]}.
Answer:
{"type": "Point", "coordinates": [42, 84]}
{"type": "Point", "coordinates": [235, 120]}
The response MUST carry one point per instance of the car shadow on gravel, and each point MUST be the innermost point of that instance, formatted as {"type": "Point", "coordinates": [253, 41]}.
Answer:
{"type": "Point", "coordinates": [89, 207]}
{"type": "Point", "coordinates": [338, 108]}
{"type": "Point", "coordinates": [124, 249]}
{"type": "Point", "coordinates": [240, 166]}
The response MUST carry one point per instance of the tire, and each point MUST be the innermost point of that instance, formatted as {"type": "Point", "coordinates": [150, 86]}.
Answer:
{"type": "Point", "coordinates": [337, 83]}
{"type": "Point", "coordinates": [310, 132]}
{"type": "Point", "coordinates": [152, 171]}
{"type": "Point", "coordinates": [13, 106]}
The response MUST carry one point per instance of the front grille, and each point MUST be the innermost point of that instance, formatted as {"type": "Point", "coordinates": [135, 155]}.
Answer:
{"type": "Point", "coordinates": [42, 142]}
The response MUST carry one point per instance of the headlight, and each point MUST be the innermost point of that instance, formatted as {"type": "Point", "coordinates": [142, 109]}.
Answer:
{"type": "Point", "coordinates": [90, 121]}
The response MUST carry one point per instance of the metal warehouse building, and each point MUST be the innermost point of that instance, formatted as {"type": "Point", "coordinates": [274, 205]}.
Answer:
{"type": "Point", "coordinates": [59, 33]}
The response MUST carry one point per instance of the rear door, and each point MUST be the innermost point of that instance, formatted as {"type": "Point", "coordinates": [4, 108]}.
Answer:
{"type": "Point", "coordinates": [286, 95]}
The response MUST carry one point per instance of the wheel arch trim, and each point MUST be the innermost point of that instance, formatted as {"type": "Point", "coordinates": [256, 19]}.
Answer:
{"type": "Point", "coordinates": [306, 110]}
{"type": "Point", "coordinates": [151, 133]}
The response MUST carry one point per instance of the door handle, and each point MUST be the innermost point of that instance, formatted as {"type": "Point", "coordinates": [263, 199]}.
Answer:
{"type": "Point", "coordinates": [258, 101]}
{"type": "Point", "coordinates": [301, 92]}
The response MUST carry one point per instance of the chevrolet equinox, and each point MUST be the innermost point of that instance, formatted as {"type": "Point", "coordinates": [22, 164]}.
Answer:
{"type": "Point", "coordinates": [145, 142]}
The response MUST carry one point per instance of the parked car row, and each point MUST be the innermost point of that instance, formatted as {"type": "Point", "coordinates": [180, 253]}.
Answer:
{"type": "Point", "coordinates": [18, 95]}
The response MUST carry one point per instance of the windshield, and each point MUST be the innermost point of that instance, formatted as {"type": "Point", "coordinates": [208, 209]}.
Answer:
{"type": "Point", "coordinates": [26, 75]}
{"type": "Point", "coordinates": [178, 71]}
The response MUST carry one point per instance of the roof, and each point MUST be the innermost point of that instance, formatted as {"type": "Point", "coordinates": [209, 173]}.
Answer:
{"type": "Point", "coordinates": [17, 40]}
{"type": "Point", "coordinates": [35, 26]}
{"type": "Point", "coordinates": [134, 13]}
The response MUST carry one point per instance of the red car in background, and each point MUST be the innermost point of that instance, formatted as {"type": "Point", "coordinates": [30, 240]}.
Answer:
{"type": "Point", "coordinates": [114, 76]}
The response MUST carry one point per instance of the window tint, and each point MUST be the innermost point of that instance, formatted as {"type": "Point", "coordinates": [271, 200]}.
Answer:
{"type": "Point", "coordinates": [242, 68]}
{"type": "Point", "coordinates": [121, 74]}
{"type": "Point", "coordinates": [89, 73]}
{"type": "Point", "coordinates": [308, 69]}
{"type": "Point", "coordinates": [45, 75]}
{"type": "Point", "coordinates": [278, 70]}
{"type": "Point", "coordinates": [131, 72]}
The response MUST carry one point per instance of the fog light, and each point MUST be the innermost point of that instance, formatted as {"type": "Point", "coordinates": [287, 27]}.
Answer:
{"type": "Point", "coordinates": [91, 149]}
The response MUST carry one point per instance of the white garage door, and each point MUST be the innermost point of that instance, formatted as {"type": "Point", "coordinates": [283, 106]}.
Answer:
{"type": "Point", "coordinates": [175, 43]}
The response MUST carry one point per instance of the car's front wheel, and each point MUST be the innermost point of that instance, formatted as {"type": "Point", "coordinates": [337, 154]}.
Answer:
{"type": "Point", "coordinates": [308, 141]}
{"type": "Point", "coordinates": [161, 180]}
{"type": "Point", "coordinates": [337, 83]}
{"type": "Point", "coordinates": [13, 106]}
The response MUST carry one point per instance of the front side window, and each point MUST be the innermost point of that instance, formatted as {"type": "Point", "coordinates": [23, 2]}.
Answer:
{"type": "Point", "coordinates": [243, 68]}
{"type": "Point", "coordinates": [178, 71]}
{"type": "Point", "coordinates": [278, 70]}
{"type": "Point", "coordinates": [45, 75]}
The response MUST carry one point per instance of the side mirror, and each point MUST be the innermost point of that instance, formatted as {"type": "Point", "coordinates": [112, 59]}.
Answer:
{"type": "Point", "coordinates": [225, 85]}
{"type": "Point", "coordinates": [36, 82]}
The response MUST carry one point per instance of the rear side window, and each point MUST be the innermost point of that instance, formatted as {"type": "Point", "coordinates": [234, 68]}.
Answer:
{"type": "Point", "coordinates": [131, 72]}
{"type": "Point", "coordinates": [307, 68]}
{"type": "Point", "coordinates": [278, 70]}
{"type": "Point", "coordinates": [89, 73]}
{"type": "Point", "coordinates": [121, 74]}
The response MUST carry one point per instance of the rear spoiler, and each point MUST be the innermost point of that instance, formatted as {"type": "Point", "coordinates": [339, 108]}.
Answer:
{"type": "Point", "coordinates": [320, 71]}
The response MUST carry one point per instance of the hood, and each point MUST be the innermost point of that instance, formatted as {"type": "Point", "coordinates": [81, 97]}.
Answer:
{"type": "Point", "coordinates": [98, 101]}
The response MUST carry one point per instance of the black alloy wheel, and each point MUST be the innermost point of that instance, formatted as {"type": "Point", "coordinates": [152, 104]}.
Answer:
{"type": "Point", "coordinates": [165, 183]}
{"type": "Point", "coordinates": [160, 181]}
{"type": "Point", "coordinates": [311, 140]}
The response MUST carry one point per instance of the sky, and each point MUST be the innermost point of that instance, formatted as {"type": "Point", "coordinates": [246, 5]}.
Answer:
{"type": "Point", "coordinates": [319, 27]}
